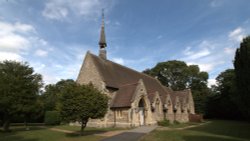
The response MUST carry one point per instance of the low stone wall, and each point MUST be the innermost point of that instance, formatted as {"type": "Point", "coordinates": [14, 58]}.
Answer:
{"type": "Point", "coordinates": [180, 117]}
{"type": "Point", "coordinates": [195, 117]}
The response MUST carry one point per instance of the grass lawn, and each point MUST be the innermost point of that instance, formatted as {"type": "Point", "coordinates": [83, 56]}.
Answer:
{"type": "Point", "coordinates": [88, 129]}
{"type": "Point", "coordinates": [216, 130]}
{"type": "Point", "coordinates": [182, 125]}
{"type": "Point", "coordinates": [37, 133]}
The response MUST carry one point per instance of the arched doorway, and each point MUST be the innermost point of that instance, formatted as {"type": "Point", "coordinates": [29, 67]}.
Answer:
{"type": "Point", "coordinates": [141, 112]}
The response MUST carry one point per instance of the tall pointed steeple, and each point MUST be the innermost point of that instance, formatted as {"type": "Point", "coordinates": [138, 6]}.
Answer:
{"type": "Point", "coordinates": [102, 41]}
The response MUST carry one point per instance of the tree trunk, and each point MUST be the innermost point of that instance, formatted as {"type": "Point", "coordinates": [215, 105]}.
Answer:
{"type": "Point", "coordinates": [6, 125]}
{"type": "Point", "coordinates": [83, 125]}
{"type": "Point", "coordinates": [26, 125]}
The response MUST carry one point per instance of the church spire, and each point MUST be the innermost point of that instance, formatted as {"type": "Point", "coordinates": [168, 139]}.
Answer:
{"type": "Point", "coordinates": [102, 41]}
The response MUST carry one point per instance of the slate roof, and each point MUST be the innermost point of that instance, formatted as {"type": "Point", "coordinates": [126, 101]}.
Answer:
{"type": "Point", "coordinates": [124, 95]}
{"type": "Point", "coordinates": [125, 80]}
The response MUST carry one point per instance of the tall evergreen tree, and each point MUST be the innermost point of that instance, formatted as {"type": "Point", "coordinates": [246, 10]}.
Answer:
{"type": "Point", "coordinates": [242, 71]}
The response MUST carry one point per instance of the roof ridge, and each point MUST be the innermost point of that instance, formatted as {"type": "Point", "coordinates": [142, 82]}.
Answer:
{"type": "Point", "coordinates": [127, 68]}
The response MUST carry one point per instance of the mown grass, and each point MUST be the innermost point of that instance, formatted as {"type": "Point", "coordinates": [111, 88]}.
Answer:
{"type": "Point", "coordinates": [182, 125]}
{"type": "Point", "coordinates": [77, 128]}
{"type": "Point", "coordinates": [217, 130]}
{"type": "Point", "coordinates": [37, 133]}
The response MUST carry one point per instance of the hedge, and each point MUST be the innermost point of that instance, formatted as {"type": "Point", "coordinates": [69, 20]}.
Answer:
{"type": "Point", "coordinates": [52, 118]}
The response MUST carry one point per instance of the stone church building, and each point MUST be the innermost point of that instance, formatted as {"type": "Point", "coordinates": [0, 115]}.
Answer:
{"type": "Point", "coordinates": [135, 98]}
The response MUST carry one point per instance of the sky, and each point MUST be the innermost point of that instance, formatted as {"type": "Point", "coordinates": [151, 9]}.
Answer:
{"type": "Point", "coordinates": [53, 36]}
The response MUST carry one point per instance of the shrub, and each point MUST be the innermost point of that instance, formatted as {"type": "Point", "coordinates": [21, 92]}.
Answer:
{"type": "Point", "coordinates": [163, 123]}
{"type": "Point", "coordinates": [52, 118]}
{"type": "Point", "coordinates": [176, 122]}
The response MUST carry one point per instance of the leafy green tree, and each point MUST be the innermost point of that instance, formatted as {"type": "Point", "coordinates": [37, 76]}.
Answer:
{"type": "Point", "coordinates": [81, 102]}
{"type": "Point", "coordinates": [222, 102]}
{"type": "Point", "coordinates": [178, 75]}
{"type": "Point", "coordinates": [52, 94]}
{"type": "Point", "coordinates": [19, 89]}
{"type": "Point", "coordinates": [52, 118]}
{"type": "Point", "coordinates": [171, 74]}
{"type": "Point", "coordinates": [242, 71]}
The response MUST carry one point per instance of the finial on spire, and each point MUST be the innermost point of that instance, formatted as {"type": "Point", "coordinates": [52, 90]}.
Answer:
{"type": "Point", "coordinates": [103, 15]}
{"type": "Point", "coordinates": [102, 41]}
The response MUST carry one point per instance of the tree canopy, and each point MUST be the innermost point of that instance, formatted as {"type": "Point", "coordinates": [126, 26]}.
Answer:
{"type": "Point", "coordinates": [242, 72]}
{"type": "Point", "coordinates": [178, 76]}
{"type": "Point", "coordinates": [222, 102]}
{"type": "Point", "coordinates": [19, 89]}
{"type": "Point", "coordinates": [81, 102]}
{"type": "Point", "coordinates": [52, 94]}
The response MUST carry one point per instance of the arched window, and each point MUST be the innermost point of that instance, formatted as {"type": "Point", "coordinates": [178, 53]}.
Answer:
{"type": "Point", "coordinates": [141, 103]}
{"type": "Point", "coordinates": [157, 105]}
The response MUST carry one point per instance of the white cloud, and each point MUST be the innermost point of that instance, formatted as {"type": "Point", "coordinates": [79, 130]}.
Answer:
{"type": "Point", "coordinates": [24, 27]}
{"type": "Point", "coordinates": [203, 66]}
{"type": "Point", "coordinates": [237, 34]}
{"type": "Point", "coordinates": [212, 56]}
{"type": "Point", "coordinates": [118, 60]}
{"type": "Point", "coordinates": [10, 56]}
{"type": "Point", "coordinates": [57, 67]}
{"type": "Point", "coordinates": [196, 55]}
{"type": "Point", "coordinates": [216, 3]}
{"type": "Point", "coordinates": [211, 82]}
{"type": "Point", "coordinates": [17, 39]}
{"type": "Point", "coordinates": [188, 51]}
{"type": "Point", "coordinates": [13, 42]}
{"type": "Point", "coordinates": [13, 37]}
{"type": "Point", "coordinates": [62, 9]}
{"type": "Point", "coordinates": [53, 11]}
{"type": "Point", "coordinates": [41, 53]}
{"type": "Point", "coordinates": [7, 28]}
{"type": "Point", "coordinates": [199, 51]}
{"type": "Point", "coordinates": [229, 50]}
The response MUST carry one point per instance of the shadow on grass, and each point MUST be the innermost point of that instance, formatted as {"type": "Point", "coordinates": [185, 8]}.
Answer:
{"type": "Point", "coordinates": [11, 136]}
{"type": "Point", "coordinates": [18, 138]}
{"type": "Point", "coordinates": [22, 129]}
{"type": "Point", "coordinates": [85, 133]}
{"type": "Point", "coordinates": [208, 138]}
{"type": "Point", "coordinates": [230, 129]}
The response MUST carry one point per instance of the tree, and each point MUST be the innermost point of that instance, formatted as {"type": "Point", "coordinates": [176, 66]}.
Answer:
{"type": "Point", "coordinates": [19, 89]}
{"type": "Point", "coordinates": [222, 103]}
{"type": "Point", "coordinates": [178, 75]}
{"type": "Point", "coordinates": [242, 71]}
{"type": "Point", "coordinates": [81, 102]}
{"type": "Point", "coordinates": [171, 74]}
{"type": "Point", "coordinates": [52, 94]}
